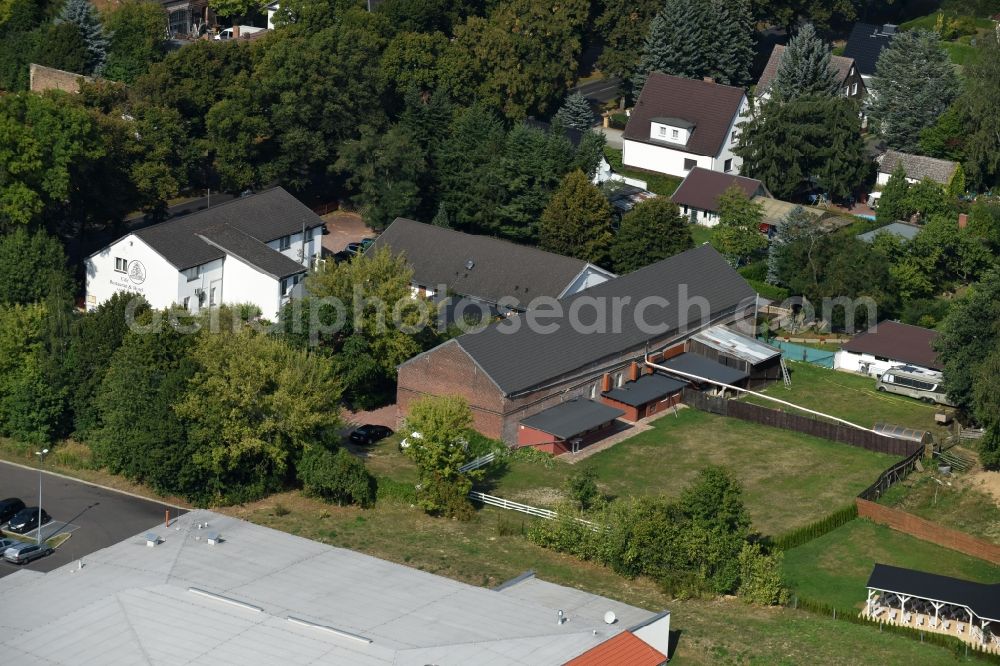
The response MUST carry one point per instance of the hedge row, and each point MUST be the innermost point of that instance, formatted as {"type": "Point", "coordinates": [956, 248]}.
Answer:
{"type": "Point", "coordinates": [816, 529]}
{"type": "Point", "coordinates": [958, 647]}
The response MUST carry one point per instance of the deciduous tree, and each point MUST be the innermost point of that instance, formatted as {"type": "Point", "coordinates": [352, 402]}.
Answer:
{"type": "Point", "coordinates": [738, 235]}
{"type": "Point", "coordinates": [623, 26]}
{"type": "Point", "coordinates": [980, 102]}
{"type": "Point", "coordinates": [893, 204]}
{"type": "Point", "coordinates": [138, 32]}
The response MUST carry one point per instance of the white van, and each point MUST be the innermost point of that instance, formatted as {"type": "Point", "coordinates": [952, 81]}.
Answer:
{"type": "Point", "coordinates": [244, 31]}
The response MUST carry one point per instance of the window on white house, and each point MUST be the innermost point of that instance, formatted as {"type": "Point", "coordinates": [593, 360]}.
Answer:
{"type": "Point", "coordinates": [309, 235]}
{"type": "Point", "coordinates": [192, 274]}
{"type": "Point", "coordinates": [284, 242]}
{"type": "Point", "coordinates": [732, 137]}
{"type": "Point", "coordinates": [663, 131]}
{"type": "Point", "coordinates": [211, 296]}
{"type": "Point", "coordinates": [187, 302]}
{"type": "Point", "coordinates": [690, 164]}
{"type": "Point", "coordinates": [728, 165]}
{"type": "Point", "coordinates": [674, 134]}
{"type": "Point", "coordinates": [121, 265]}
{"type": "Point", "coordinates": [685, 210]}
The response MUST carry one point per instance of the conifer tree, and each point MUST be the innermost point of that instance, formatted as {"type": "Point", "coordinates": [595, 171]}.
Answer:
{"type": "Point", "coordinates": [735, 42]}
{"type": "Point", "coordinates": [83, 15]}
{"type": "Point", "coordinates": [797, 225]}
{"type": "Point", "coordinates": [577, 221]}
{"type": "Point", "coordinates": [441, 218]}
{"type": "Point", "coordinates": [804, 68]}
{"type": "Point", "coordinates": [576, 112]}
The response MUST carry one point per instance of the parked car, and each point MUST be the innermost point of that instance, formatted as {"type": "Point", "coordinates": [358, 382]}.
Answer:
{"type": "Point", "coordinates": [23, 553]}
{"type": "Point", "coordinates": [8, 508]}
{"type": "Point", "coordinates": [26, 520]}
{"type": "Point", "coordinates": [7, 543]}
{"type": "Point", "coordinates": [370, 433]}
{"type": "Point", "coordinates": [360, 246]}
{"type": "Point", "coordinates": [245, 30]}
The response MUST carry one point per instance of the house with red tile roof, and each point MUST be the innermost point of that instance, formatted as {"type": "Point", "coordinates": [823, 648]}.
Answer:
{"type": "Point", "coordinates": [678, 124]}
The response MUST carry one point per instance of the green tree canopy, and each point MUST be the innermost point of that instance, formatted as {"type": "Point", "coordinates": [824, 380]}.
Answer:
{"type": "Point", "coordinates": [829, 150]}
{"type": "Point", "coordinates": [738, 235]}
{"type": "Point", "coordinates": [576, 113]}
{"type": "Point", "coordinates": [804, 68]}
{"type": "Point", "coordinates": [623, 26]}
{"type": "Point", "coordinates": [577, 221]}
{"type": "Point", "coordinates": [83, 15]}
{"type": "Point", "coordinates": [653, 230]}
{"type": "Point", "coordinates": [893, 204]}
{"type": "Point", "coordinates": [138, 30]}
{"type": "Point", "coordinates": [30, 265]}
{"type": "Point", "coordinates": [913, 85]}
{"type": "Point", "coordinates": [980, 103]}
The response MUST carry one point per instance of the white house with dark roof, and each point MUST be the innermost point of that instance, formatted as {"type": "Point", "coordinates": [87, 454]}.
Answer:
{"type": "Point", "coordinates": [698, 196]}
{"type": "Point", "coordinates": [678, 124]}
{"type": "Point", "coordinates": [852, 84]}
{"type": "Point", "coordinates": [917, 168]}
{"type": "Point", "coordinates": [253, 249]}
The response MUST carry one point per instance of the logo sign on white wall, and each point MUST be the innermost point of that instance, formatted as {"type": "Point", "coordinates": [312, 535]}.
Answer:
{"type": "Point", "coordinates": [136, 272]}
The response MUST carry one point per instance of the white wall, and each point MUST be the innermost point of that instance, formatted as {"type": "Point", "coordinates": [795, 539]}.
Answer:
{"type": "Point", "coordinates": [705, 218]}
{"type": "Point", "coordinates": [159, 287]}
{"type": "Point", "coordinates": [656, 634]}
{"type": "Point", "coordinates": [587, 278]}
{"type": "Point", "coordinates": [313, 247]}
{"type": "Point", "coordinates": [726, 152]}
{"type": "Point", "coordinates": [883, 178]}
{"type": "Point", "coordinates": [852, 362]}
{"type": "Point", "coordinates": [660, 158]}
{"type": "Point", "coordinates": [209, 273]}
{"type": "Point", "coordinates": [245, 284]}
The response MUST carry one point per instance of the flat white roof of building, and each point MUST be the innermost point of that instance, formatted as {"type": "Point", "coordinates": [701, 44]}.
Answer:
{"type": "Point", "coordinates": [741, 346]}
{"type": "Point", "coordinates": [262, 597]}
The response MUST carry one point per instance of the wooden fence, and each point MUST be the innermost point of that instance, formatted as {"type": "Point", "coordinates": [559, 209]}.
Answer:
{"type": "Point", "coordinates": [777, 418]}
{"type": "Point", "coordinates": [502, 503]}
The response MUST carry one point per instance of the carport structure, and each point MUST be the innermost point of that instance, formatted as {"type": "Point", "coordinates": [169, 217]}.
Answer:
{"type": "Point", "coordinates": [926, 601]}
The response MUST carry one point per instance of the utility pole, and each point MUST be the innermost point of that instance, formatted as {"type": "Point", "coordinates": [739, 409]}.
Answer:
{"type": "Point", "coordinates": [41, 461]}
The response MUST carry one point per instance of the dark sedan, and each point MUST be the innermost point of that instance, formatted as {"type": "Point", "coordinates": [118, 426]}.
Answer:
{"type": "Point", "coordinates": [26, 520]}
{"type": "Point", "coordinates": [8, 508]}
{"type": "Point", "coordinates": [369, 433]}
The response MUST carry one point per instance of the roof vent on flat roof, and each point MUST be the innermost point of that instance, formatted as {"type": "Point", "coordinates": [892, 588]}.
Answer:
{"type": "Point", "coordinates": [561, 618]}
{"type": "Point", "coordinates": [152, 539]}
{"type": "Point", "coordinates": [469, 263]}
{"type": "Point", "coordinates": [226, 600]}
{"type": "Point", "coordinates": [332, 630]}
{"type": "Point", "coordinates": [213, 538]}
{"type": "Point", "coordinates": [610, 617]}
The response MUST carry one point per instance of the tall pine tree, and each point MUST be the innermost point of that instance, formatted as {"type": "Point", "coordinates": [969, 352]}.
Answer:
{"type": "Point", "coordinates": [576, 112]}
{"type": "Point", "coordinates": [83, 15]}
{"type": "Point", "coordinates": [736, 43]}
{"type": "Point", "coordinates": [804, 68]}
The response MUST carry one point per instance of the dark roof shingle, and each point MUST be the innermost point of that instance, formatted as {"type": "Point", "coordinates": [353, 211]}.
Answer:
{"type": "Point", "coordinates": [251, 251]}
{"type": "Point", "coordinates": [518, 360]}
{"type": "Point", "coordinates": [500, 268]}
{"type": "Point", "coordinates": [701, 188]}
{"type": "Point", "coordinates": [897, 341]}
{"type": "Point", "coordinates": [568, 419]}
{"type": "Point", "coordinates": [918, 167]}
{"type": "Point", "coordinates": [265, 216]}
{"type": "Point", "coordinates": [865, 45]}
{"type": "Point", "coordinates": [711, 107]}
{"type": "Point", "coordinates": [839, 64]}
{"type": "Point", "coordinates": [645, 389]}
{"type": "Point", "coordinates": [694, 364]}
{"type": "Point", "coordinates": [982, 598]}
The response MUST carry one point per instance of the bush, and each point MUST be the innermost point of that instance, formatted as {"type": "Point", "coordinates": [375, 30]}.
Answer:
{"type": "Point", "coordinates": [769, 291]}
{"type": "Point", "coordinates": [816, 529]}
{"type": "Point", "coordinates": [618, 121]}
{"type": "Point", "coordinates": [581, 488]}
{"type": "Point", "coordinates": [441, 496]}
{"type": "Point", "coordinates": [336, 476]}
{"type": "Point", "coordinates": [760, 576]}
{"type": "Point", "coordinates": [755, 270]}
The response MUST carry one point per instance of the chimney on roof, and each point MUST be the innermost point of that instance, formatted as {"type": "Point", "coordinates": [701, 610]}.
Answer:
{"type": "Point", "coordinates": [633, 372]}
{"type": "Point", "coordinates": [708, 79]}
{"type": "Point", "coordinates": [605, 383]}
{"type": "Point", "coordinates": [963, 220]}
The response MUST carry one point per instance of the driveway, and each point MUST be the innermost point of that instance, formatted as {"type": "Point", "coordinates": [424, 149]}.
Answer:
{"type": "Point", "coordinates": [96, 517]}
{"type": "Point", "coordinates": [343, 228]}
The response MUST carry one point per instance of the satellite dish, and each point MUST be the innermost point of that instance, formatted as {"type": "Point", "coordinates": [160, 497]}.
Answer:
{"type": "Point", "coordinates": [609, 617]}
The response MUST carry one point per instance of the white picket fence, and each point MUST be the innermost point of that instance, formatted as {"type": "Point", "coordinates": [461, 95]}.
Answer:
{"type": "Point", "coordinates": [481, 461]}
{"type": "Point", "coordinates": [502, 503]}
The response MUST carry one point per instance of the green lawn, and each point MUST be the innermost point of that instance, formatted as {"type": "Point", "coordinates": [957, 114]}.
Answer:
{"type": "Point", "coordinates": [851, 397]}
{"type": "Point", "coordinates": [959, 503]}
{"type": "Point", "coordinates": [788, 479]}
{"type": "Point", "coordinates": [835, 567]}
{"type": "Point", "coordinates": [702, 234]}
{"type": "Point", "coordinates": [719, 631]}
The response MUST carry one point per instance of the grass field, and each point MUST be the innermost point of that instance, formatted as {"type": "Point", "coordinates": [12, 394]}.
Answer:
{"type": "Point", "coordinates": [788, 479]}
{"type": "Point", "coordinates": [721, 631]}
{"type": "Point", "coordinates": [835, 567]}
{"type": "Point", "coordinates": [959, 503]}
{"type": "Point", "coordinates": [851, 397]}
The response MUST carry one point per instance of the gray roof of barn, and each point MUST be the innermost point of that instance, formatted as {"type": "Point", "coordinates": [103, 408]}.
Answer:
{"type": "Point", "coordinates": [709, 107]}
{"type": "Point", "coordinates": [265, 217]}
{"type": "Point", "coordinates": [647, 388]}
{"type": "Point", "coordinates": [264, 597]}
{"type": "Point", "coordinates": [694, 364]}
{"type": "Point", "coordinates": [918, 167]}
{"type": "Point", "coordinates": [525, 358]}
{"type": "Point", "coordinates": [499, 268]}
{"type": "Point", "coordinates": [570, 418]}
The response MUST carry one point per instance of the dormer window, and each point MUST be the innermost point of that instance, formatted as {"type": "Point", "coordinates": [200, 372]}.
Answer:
{"type": "Point", "coordinates": [671, 130]}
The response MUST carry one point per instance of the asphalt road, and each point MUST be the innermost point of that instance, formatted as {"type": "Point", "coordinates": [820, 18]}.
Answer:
{"type": "Point", "coordinates": [97, 518]}
{"type": "Point", "coordinates": [600, 91]}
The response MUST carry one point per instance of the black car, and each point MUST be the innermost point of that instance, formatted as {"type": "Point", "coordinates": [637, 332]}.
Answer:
{"type": "Point", "coordinates": [26, 520]}
{"type": "Point", "coordinates": [369, 433]}
{"type": "Point", "coordinates": [8, 508]}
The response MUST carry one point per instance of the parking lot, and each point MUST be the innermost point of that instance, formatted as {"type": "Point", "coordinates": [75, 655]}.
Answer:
{"type": "Point", "coordinates": [95, 517]}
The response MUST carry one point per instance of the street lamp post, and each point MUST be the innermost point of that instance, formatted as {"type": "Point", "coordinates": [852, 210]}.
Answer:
{"type": "Point", "coordinates": [41, 461]}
